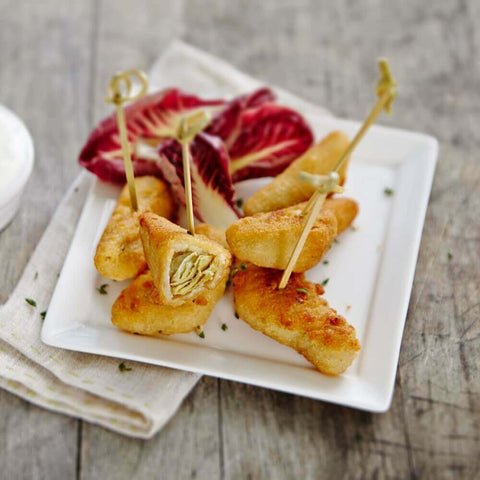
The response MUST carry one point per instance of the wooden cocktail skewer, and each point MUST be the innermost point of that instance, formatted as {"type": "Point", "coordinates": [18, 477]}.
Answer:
{"type": "Point", "coordinates": [188, 128]}
{"type": "Point", "coordinates": [119, 92]}
{"type": "Point", "coordinates": [386, 92]}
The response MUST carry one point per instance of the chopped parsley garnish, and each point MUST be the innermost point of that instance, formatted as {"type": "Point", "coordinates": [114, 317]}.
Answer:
{"type": "Point", "coordinates": [35, 276]}
{"type": "Point", "coordinates": [335, 240]}
{"type": "Point", "coordinates": [325, 262]}
{"type": "Point", "coordinates": [239, 202]}
{"type": "Point", "coordinates": [449, 255]}
{"type": "Point", "coordinates": [102, 290]}
{"type": "Point", "coordinates": [233, 272]}
{"type": "Point", "coordinates": [236, 315]}
{"type": "Point", "coordinates": [42, 314]}
{"type": "Point", "coordinates": [123, 368]}
{"type": "Point", "coordinates": [388, 192]}
{"type": "Point", "coordinates": [31, 302]}
{"type": "Point", "coordinates": [325, 282]}
{"type": "Point", "coordinates": [243, 266]}
{"type": "Point", "coordinates": [201, 334]}
{"type": "Point", "coordinates": [224, 327]}
{"type": "Point", "coordinates": [302, 290]}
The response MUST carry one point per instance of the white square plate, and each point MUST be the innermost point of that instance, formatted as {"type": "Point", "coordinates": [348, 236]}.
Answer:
{"type": "Point", "coordinates": [370, 273]}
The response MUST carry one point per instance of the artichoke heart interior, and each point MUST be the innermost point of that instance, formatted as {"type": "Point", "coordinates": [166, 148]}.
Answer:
{"type": "Point", "coordinates": [190, 270]}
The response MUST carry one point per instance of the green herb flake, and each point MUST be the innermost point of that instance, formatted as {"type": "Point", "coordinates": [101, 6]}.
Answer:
{"type": "Point", "coordinates": [43, 314]}
{"type": "Point", "coordinates": [123, 368]}
{"type": "Point", "coordinates": [335, 240]}
{"type": "Point", "coordinates": [35, 276]}
{"type": "Point", "coordinates": [302, 290]}
{"type": "Point", "coordinates": [237, 316]}
{"type": "Point", "coordinates": [233, 272]}
{"type": "Point", "coordinates": [224, 327]}
{"type": "Point", "coordinates": [388, 192]}
{"type": "Point", "coordinates": [325, 282]}
{"type": "Point", "coordinates": [102, 290]}
{"type": "Point", "coordinates": [243, 266]}
{"type": "Point", "coordinates": [449, 255]}
{"type": "Point", "coordinates": [201, 334]}
{"type": "Point", "coordinates": [325, 262]}
{"type": "Point", "coordinates": [31, 302]}
{"type": "Point", "coordinates": [239, 202]}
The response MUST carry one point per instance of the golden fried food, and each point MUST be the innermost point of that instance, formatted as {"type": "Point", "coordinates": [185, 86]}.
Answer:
{"type": "Point", "coordinates": [119, 252]}
{"type": "Point", "coordinates": [295, 316]}
{"type": "Point", "coordinates": [345, 210]}
{"type": "Point", "coordinates": [268, 239]}
{"type": "Point", "coordinates": [213, 233]}
{"type": "Point", "coordinates": [286, 189]}
{"type": "Point", "coordinates": [183, 266]}
{"type": "Point", "coordinates": [139, 309]}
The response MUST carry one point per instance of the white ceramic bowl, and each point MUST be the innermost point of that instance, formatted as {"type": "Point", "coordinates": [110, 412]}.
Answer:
{"type": "Point", "coordinates": [17, 147]}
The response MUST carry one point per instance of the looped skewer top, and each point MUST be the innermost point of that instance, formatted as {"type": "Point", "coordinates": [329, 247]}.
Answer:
{"type": "Point", "coordinates": [120, 87]}
{"type": "Point", "coordinates": [120, 91]}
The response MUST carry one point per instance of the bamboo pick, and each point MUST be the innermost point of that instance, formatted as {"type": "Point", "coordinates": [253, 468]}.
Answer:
{"type": "Point", "coordinates": [386, 93]}
{"type": "Point", "coordinates": [119, 92]}
{"type": "Point", "coordinates": [188, 129]}
{"type": "Point", "coordinates": [329, 184]}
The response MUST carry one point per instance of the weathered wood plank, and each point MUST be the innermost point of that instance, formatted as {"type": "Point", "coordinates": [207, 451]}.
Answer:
{"type": "Point", "coordinates": [44, 77]}
{"type": "Point", "coordinates": [187, 447]}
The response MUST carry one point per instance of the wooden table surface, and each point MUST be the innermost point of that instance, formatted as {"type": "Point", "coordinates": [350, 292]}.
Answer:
{"type": "Point", "coordinates": [55, 60]}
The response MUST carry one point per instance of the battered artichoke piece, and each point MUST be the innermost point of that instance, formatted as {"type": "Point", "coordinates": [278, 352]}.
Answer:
{"type": "Point", "coordinates": [345, 210]}
{"type": "Point", "coordinates": [119, 252]}
{"type": "Point", "coordinates": [183, 266]}
{"type": "Point", "coordinates": [139, 309]}
{"type": "Point", "coordinates": [268, 239]}
{"type": "Point", "coordinates": [213, 233]}
{"type": "Point", "coordinates": [286, 189]}
{"type": "Point", "coordinates": [295, 316]}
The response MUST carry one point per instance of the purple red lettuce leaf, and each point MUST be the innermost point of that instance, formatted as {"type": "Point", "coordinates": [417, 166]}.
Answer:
{"type": "Point", "coordinates": [149, 120]}
{"type": "Point", "coordinates": [212, 188]}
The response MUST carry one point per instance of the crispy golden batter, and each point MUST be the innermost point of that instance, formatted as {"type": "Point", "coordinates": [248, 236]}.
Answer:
{"type": "Point", "coordinates": [268, 239]}
{"type": "Point", "coordinates": [183, 266]}
{"type": "Point", "coordinates": [300, 320]}
{"type": "Point", "coordinates": [119, 252]}
{"type": "Point", "coordinates": [139, 309]}
{"type": "Point", "coordinates": [286, 189]}
{"type": "Point", "coordinates": [213, 233]}
{"type": "Point", "coordinates": [345, 210]}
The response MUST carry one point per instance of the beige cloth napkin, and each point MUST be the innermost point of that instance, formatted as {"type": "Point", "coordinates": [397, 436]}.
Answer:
{"type": "Point", "coordinates": [137, 402]}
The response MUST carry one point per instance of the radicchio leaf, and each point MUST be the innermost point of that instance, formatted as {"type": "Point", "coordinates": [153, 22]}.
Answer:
{"type": "Point", "coordinates": [212, 189]}
{"type": "Point", "coordinates": [270, 138]}
{"type": "Point", "coordinates": [149, 120]}
{"type": "Point", "coordinates": [227, 123]}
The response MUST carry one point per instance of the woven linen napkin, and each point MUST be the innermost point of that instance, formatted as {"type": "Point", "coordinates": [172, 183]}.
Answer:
{"type": "Point", "coordinates": [137, 402]}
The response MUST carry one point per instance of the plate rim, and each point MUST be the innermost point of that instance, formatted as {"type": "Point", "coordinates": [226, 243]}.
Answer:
{"type": "Point", "coordinates": [380, 400]}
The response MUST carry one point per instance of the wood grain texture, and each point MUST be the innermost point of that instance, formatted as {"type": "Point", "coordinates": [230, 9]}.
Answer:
{"type": "Point", "coordinates": [324, 51]}
{"type": "Point", "coordinates": [44, 77]}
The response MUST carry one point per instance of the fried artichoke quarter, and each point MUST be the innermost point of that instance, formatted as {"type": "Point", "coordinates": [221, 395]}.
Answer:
{"type": "Point", "coordinates": [119, 252]}
{"type": "Point", "coordinates": [296, 316]}
{"type": "Point", "coordinates": [140, 310]}
{"type": "Point", "coordinates": [183, 266]}
{"type": "Point", "coordinates": [286, 189]}
{"type": "Point", "coordinates": [268, 239]}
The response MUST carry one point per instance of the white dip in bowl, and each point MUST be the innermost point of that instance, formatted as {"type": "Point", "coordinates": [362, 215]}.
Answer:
{"type": "Point", "coordinates": [16, 163]}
